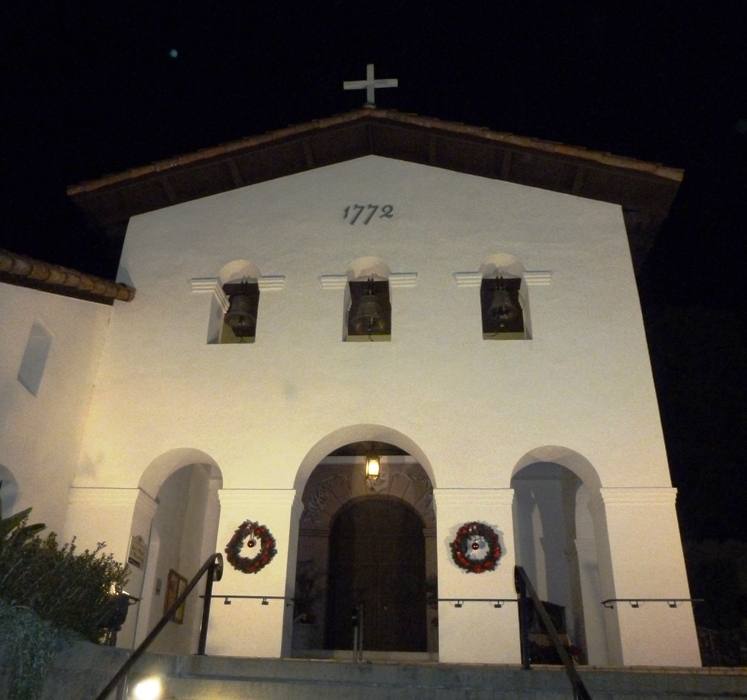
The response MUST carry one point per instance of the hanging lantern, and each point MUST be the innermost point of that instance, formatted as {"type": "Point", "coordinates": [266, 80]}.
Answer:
{"type": "Point", "coordinates": [241, 316]}
{"type": "Point", "coordinates": [373, 467]}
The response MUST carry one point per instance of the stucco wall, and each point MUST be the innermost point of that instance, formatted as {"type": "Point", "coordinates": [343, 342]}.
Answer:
{"type": "Point", "coordinates": [474, 407]}
{"type": "Point", "coordinates": [40, 435]}
{"type": "Point", "coordinates": [472, 412]}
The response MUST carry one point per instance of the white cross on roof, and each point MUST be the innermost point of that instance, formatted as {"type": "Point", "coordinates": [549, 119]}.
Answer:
{"type": "Point", "coordinates": [369, 84]}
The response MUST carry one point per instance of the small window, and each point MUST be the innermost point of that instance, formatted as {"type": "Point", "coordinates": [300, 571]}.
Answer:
{"type": "Point", "coordinates": [502, 313]}
{"type": "Point", "coordinates": [35, 358]}
{"type": "Point", "coordinates": [370, 312]}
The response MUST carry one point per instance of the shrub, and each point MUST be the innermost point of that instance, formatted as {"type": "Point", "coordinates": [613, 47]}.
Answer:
{"type": "Point", "coordinates": [48, 595]}
{"type": "Point", "coordinates": [69, 589]}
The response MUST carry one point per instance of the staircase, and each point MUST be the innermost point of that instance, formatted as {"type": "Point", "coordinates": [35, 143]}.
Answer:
{"type": "Point", "coordinates": [235, 679]}
{"type": "Point", "coordinates": [80, 672]}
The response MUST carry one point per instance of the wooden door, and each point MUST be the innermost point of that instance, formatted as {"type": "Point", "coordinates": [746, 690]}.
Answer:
{"type": "Point", "coordinates": [377, 557]}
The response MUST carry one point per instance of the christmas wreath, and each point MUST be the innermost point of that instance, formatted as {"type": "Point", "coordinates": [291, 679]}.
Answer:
{"type": "Point", "coordinates": [250, 533]}
{"type": "Point", "coordinates": [476, 548]}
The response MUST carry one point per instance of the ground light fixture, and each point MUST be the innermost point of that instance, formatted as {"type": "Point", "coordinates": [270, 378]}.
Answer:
{"type": "Point", "coordinates": [148, 689]}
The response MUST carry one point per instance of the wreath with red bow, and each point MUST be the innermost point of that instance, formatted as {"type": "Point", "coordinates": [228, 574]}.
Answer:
{"type": "Point", "coordinates": [250, 533]}
{"type": "Point", "coordinates": [476, 548]}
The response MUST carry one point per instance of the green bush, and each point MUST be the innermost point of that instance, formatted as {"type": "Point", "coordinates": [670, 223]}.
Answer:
{"type": "Point", "coordinates": [33, 643]}
{"type": "Point", "coordinates": [69, 589]}
{"type": "Point", "coordinates": [49, 595]}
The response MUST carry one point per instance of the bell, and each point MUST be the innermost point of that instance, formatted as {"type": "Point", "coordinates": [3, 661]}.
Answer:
{"type": "Point", "coordinates": [502, 308]}
{"type": "Point", "coordinates": [369, 315]}
{"type": "Point", "coordinates": [240, 315]}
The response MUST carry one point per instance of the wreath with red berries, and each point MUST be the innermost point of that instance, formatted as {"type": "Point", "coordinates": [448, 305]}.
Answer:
{"type": "Point", "coordinates": [251, 533]}
{"type": "Point", "coordinates": [476, 548]}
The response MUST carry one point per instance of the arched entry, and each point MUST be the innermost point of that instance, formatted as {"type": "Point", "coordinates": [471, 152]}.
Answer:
{"type": "Point", "coordinates": [177, 522]}
{"type": "Point", "coordinates": [343, 512]}
{"type": "Point", "coordinates": [377, 558]}
{"type": "Point", "coordinates": [555, 542]}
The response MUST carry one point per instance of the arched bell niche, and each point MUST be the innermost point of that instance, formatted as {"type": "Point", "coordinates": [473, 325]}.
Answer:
{"type": "Point", "coordinates": [367, 306]}
{"type": "Point", "coordinates": [503, 276]}
{"type": "Point", "coordinates": [231, 277]}
{"type": "Point", "coordinates": [352, 534]}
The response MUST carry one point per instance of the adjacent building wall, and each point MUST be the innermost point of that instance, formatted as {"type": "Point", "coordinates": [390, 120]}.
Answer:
{"type": "Point", "coordinates": [50, 347]}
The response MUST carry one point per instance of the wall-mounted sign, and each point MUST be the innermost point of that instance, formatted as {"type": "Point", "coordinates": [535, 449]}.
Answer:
{"type": "Point", "coordinates": [138, 550]}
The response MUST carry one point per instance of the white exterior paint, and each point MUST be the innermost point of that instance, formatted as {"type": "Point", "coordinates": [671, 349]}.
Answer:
{"type": "Point", "coordinates": [40, 435]}
{"type": "Point", "coordinates": [473, 413]}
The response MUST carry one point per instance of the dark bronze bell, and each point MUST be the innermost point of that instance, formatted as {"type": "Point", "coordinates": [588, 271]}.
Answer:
{"type": "Point", "coordinates": [240, 316]}
{"type": "Point", "coordinates": [502, 308]}
{"type": "Point", "coordinates": [369, 315]}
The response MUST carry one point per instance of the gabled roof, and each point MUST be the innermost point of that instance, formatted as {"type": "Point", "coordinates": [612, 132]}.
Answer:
{"type": "Point", "coordinates": [645, 190]}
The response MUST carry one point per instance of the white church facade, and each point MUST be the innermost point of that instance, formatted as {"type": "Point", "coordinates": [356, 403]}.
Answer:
{"type": "Point", "coordinates": [148, 424]}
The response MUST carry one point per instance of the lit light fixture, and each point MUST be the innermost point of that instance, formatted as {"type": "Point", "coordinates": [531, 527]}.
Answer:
{"type": "Point", "coordinates": [148, 689]}
{"type": "Point", "coordinates": [373, 467]}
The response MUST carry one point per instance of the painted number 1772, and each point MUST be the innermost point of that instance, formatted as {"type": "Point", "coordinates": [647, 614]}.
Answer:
{"type": "Point", "coordinates": [363, 213]}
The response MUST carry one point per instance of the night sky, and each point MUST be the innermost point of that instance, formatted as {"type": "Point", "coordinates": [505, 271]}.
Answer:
{"type": "Point", "coordinates": [88, 89]}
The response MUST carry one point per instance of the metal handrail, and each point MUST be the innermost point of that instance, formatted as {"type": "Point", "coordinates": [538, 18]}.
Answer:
{"type": "Point", "coordinates": [213, 567]}
{"type": "Point", "coordinates": [458, 602]}
{"type": "Point", "coordinates": [636, 602]}
{"type": "Point", "coordinates": [524, 587]}
{"type": "Point", "coordinates": [227, 598]}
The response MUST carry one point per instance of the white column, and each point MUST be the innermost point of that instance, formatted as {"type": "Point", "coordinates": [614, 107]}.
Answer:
{"type": "Point", "coordinates": [476, 632]}
{"type": "Point", "coordinates": [145, 509]}
{"type": "Point", "coordinates": [209, 545]}
{"type": "Point", "coordinates": [591, 590]}
{"type": "Point", "coordinates": [591, 596]}
{"type": "Point", "coordinates": [246, 627]}
{"type": "Point", "coordinates": [646, 561]}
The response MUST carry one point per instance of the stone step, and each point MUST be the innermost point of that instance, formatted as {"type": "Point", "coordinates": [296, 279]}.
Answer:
{"type": "Point", "coordinates": [81, 671]}
{"type": "Point", "coordinates": [205, 678]}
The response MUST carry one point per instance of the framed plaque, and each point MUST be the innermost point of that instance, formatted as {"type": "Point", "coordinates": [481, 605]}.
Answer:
{"type": "Point", "coordinates": [175, 586]}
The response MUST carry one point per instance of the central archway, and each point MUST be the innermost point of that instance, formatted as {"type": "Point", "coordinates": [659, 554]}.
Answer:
{"type": "Point", "coordinates": [358, 539]}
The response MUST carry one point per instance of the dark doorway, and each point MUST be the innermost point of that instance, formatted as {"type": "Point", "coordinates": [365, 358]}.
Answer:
{"type": "Point", "coordinates": [377, 557]}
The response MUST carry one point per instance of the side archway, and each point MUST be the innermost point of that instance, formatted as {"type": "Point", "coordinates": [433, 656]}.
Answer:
{"type": "Point", "coordinates": [561, 541]}
{"type": "Point", "coordinates": [176, 522]}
